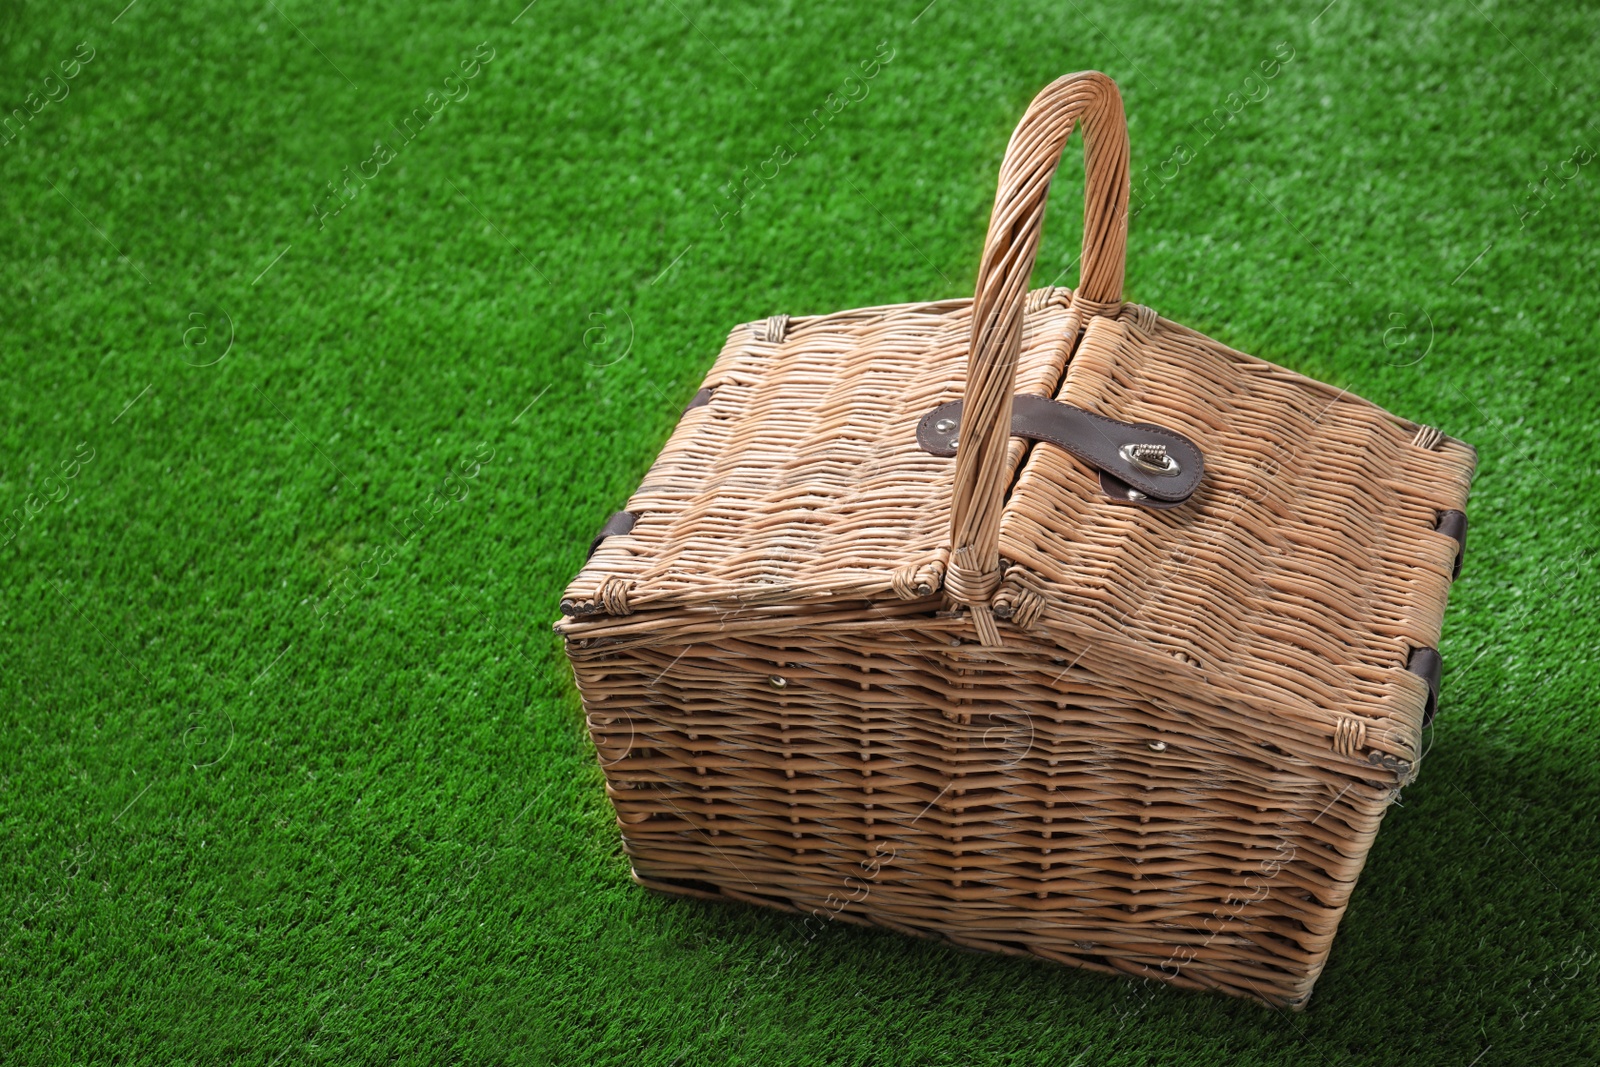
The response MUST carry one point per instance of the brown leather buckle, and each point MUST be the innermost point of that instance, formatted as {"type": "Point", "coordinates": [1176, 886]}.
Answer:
{"type": "Point", "coordinates": [1138, 462]}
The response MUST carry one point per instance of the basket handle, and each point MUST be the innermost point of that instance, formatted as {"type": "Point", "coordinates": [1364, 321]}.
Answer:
{"type": "Point", "coordinates": [978, 500]}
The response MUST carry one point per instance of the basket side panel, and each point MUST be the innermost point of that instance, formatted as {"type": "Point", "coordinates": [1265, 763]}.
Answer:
{"type": "Point", "coordinates": [1010, 801]}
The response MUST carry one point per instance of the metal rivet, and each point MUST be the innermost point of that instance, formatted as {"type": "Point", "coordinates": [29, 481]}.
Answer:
{"type": "Point", "coordinates": [945, 425]}
{"type": "Point", "coordinates": [1134, 494]}
{"type": "Point", "coordinates": [778, 681]}
{"type": "Point", "coordinates": [1158, 746]}
{"type": "Point", "coordinates": [955, 442]}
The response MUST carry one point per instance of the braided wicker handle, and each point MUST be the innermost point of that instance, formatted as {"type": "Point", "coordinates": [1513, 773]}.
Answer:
{"type": "Point", "coordinates": [1089, 98]}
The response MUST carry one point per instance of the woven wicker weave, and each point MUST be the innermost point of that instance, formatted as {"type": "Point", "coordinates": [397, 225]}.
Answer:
{"type": "Point", "coordinates": [978, 699]}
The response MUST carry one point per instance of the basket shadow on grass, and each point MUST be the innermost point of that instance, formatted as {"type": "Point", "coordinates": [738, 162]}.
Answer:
{"type": "Point", "coordinates": [1469, 930]}
{"type": "Point", "coordinates": [1473, 923]}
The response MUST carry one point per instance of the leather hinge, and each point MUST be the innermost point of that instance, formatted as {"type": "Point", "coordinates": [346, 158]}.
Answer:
{"type": "Point", "coordinates": [619, 523]}
{"type": "Point", "coordinates": [700, 399]}
{"type": "Point", "coordinates": [1139, 463]}
{"type": "Point", "coordinates": [1427, 664]}
{"type": "Point", "coordinates": [1453, 523]}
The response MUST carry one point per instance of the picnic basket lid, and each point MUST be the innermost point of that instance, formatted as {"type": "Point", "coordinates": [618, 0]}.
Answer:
{"type": "Point", "coordinates": [1306, 567]}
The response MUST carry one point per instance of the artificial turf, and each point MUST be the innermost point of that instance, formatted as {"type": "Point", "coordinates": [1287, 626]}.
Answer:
{"type": "Point", "coordinates": [291, 766]}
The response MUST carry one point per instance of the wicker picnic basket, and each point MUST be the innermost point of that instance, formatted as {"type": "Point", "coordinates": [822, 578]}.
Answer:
{"type": "Point", "coordinates": [1035, 622]}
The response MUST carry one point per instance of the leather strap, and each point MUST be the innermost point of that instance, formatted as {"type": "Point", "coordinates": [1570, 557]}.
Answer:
{"type": "Point", "coordinates": [1117, 489]}
{"type": "Point", "coordinates": [1105, 444]}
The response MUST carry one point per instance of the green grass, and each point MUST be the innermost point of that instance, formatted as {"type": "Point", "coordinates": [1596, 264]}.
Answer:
{"type": "Point", "coordinates": [240, 828]}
